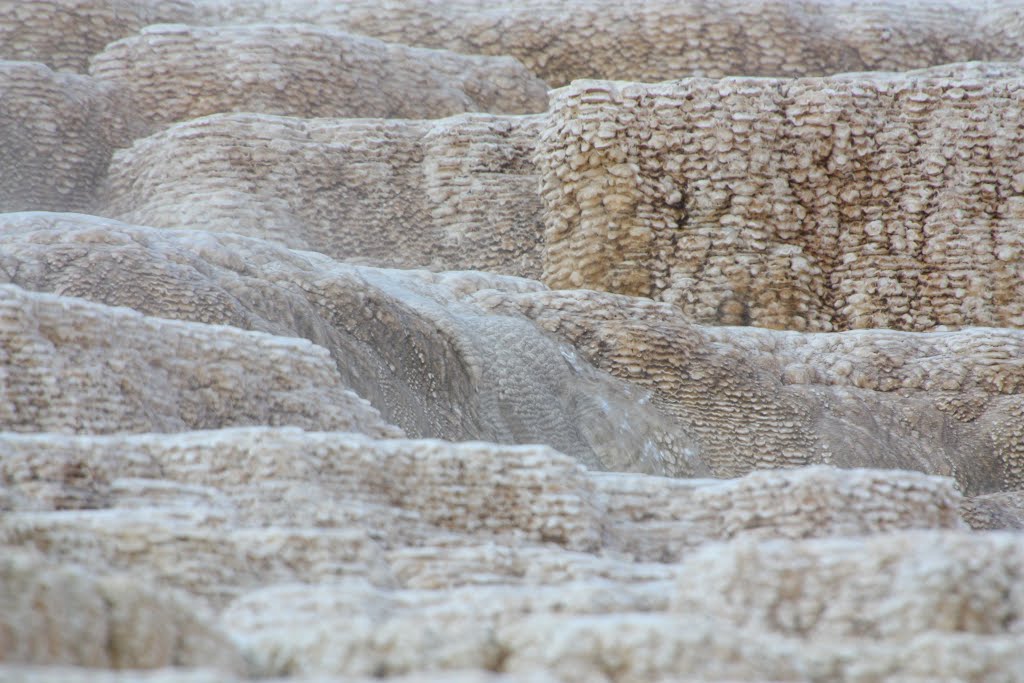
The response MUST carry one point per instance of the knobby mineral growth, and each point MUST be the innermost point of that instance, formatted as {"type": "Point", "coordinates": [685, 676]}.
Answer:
{"type": "Point", "coordinates": [499, 342]}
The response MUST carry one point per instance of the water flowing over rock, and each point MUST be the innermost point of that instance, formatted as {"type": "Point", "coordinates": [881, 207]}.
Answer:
{"type": "Point", "coordinates": [496, 342]}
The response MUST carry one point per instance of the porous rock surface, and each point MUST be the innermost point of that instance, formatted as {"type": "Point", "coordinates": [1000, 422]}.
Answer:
{"type": "Point", "coordinates": [495, 397]}
{"type": "Point", "coordinates": [945, 403]}
{"type": "Point", "coordinates": [449, 194]}
{"type": "Point", "coordinates": [808, 204]}
{"type": "Point", "coordinates": [61, 614]}
{"type": "Point", "coordinates": [59, 131]}
{"type": "Point", "coordinates": [618, 382]}
{"type": "Point", "coordinates": [177, 72]}
{"type": "Point", "coordinates": [663, 39]}
{"type": "Point", "coordinates": [345, 530]}
{"type": "Point", "coordinates": [435, 366]}
{"type": "Point", "coordinates": [65, 35]}
{"type": "Point", "coordinates": [76, 366]}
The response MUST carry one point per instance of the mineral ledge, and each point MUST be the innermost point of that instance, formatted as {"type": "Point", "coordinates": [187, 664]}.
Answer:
{"type": "Point", "coordinates": [511, 342]}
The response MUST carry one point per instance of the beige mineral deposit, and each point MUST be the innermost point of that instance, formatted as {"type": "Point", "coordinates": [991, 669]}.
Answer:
{"type": "Point", "coordinates": [481, 341]}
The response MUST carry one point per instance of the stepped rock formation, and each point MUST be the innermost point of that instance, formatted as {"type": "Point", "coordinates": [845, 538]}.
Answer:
{"type": "Point", "coordinates": [447, 194]}
{"type": "Point", "coordinates": [402, 339]}
{"type": "Point", "coordinates": [174, 73]}
{"type": "Point", "coordinates": [67, 34]}
{"type": "Point", "coordinates": [334, 346]}
{"type": "Point", "coordinates": [947, 403]}
{"type": "Point", "coordinates": [75, 366]}
{"type": "Point", "coordinates": [663, 39]}
{"type": "Point", "coordinates": [55, 614]}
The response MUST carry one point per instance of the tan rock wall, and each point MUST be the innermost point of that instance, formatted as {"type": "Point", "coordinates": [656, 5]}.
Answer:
{"type": "Point", "coordinates": [665, 39]}
{"type": "Point", "coordinates": [794, 204]}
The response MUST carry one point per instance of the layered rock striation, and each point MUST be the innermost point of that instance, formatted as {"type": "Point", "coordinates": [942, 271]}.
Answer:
{"type": "Point", "coordinates": [330, 351]}
{"type": "Point", "coordinates": [808, 204]}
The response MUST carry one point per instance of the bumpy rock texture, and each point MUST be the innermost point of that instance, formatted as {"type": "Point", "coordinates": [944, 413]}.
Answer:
{"type": "Point", "coordinates": [173, 73]}
{"type": "Point", "coordinates": [793, 204]}
{"type": "Point", "coordinates": [435, 365]}
{"type": "Point", "coordinates": [664, 39]}
{"type": "Point", "coordinates": [81, 367]}
{"type": "Point", "coordinates": [59, 131]}
{"type": "Point", "coordinates": [945, 403]}
{"type": "Point", "coordinates": [302, 395]}
{"type": "Point", "coordinates": [65, 35]}
{"type": "Point", "coordinates": [449, 194]}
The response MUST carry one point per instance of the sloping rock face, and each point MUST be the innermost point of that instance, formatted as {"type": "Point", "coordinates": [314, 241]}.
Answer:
{"type": "Point", "coordinates": [664, 39]}
{"type": "Point", "coordinates": [65, 35]}
{"type": "Point", "coordinates": [77, 366]}
{"type": "Point", "coordinates": [331, 351]}
{"type": "Point", "coordinates": [173, 73]}
{"type": "Point", "coordinates": [449, 194]}
{"type": "Point", "coordinates": [59, 132]}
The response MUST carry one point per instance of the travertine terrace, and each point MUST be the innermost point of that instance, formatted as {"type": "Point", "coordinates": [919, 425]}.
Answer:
{"type": "Point", "coordinates": [503, 342]}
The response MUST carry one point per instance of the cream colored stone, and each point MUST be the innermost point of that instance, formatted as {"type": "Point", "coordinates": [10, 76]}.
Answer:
{"type": "Point", "coordinates": [884, 587]}
{"type": "Point", "coordinates": [995, 510]}
{"type": "Point", "coordinates": [256, 506]}
{"type": "Point", "coordinates": [454, 194]}
{"type": "Point", "coordinates": [643, 647]}
{"type": "Point", "coordinates": [945, 403]}
{"type": "Point", "coordinates": [177, 72]}
{"type": "Point", "coordinates": [649, 391]}
{"type": "Point", "coordinates": [664, 39]}
{"type": "Point", "coordinates": [20, 674]}
{"type": "Point", "coordinates": [77, 366]}
{"type": "Point", "coordinates": [64, 34]}
{"type": "Point", "coordinates": [401, 339]}
{"type": "Point", "coordinates": [860, 201]}
{"type": "Point", "coordinates": [57, 133]}
{"type": "Point", "coordinates": [53, 614]}
{"type": "Point", "coordinates": [534, 543]}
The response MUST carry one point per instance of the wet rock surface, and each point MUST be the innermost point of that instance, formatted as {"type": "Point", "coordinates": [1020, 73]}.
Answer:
{"type": "Point", "coordinates": [334, 346]}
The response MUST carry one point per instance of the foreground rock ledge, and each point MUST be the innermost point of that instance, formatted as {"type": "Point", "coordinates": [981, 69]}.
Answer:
{"type": "Point", "coordinates": [282, 525]}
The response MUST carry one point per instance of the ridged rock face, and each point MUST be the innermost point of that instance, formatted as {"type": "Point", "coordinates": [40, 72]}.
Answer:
{"type": "Point", "coordinates": [57, 614]}
{"type": "Point", "coordinates": [436, 366]}
{"type": "Point", "coordinates": [175, 73]}
{"type": "Point", "coordinates": [877, 578]}
{"type": "Point", "coordinates": [663, 39]}
{"type": "Point", "coordinates": [620, 383]}
{"type": "Point", "coordinates": [336, 347]}
{"type": "Point", "coordinates": [530, 539]}
{"type": "Point", "coordinates": [64, 35]}
{"type": "Point", "coordinates": [59, 131]}
{"type": "Point", "coordinates": [76, 366]}
{"type": "Point", "coordinates": [947, 403]}
{"type": "Point", "coordinates": [794, 204]}
{"type": "Point", "coordinates": [456, 193]}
